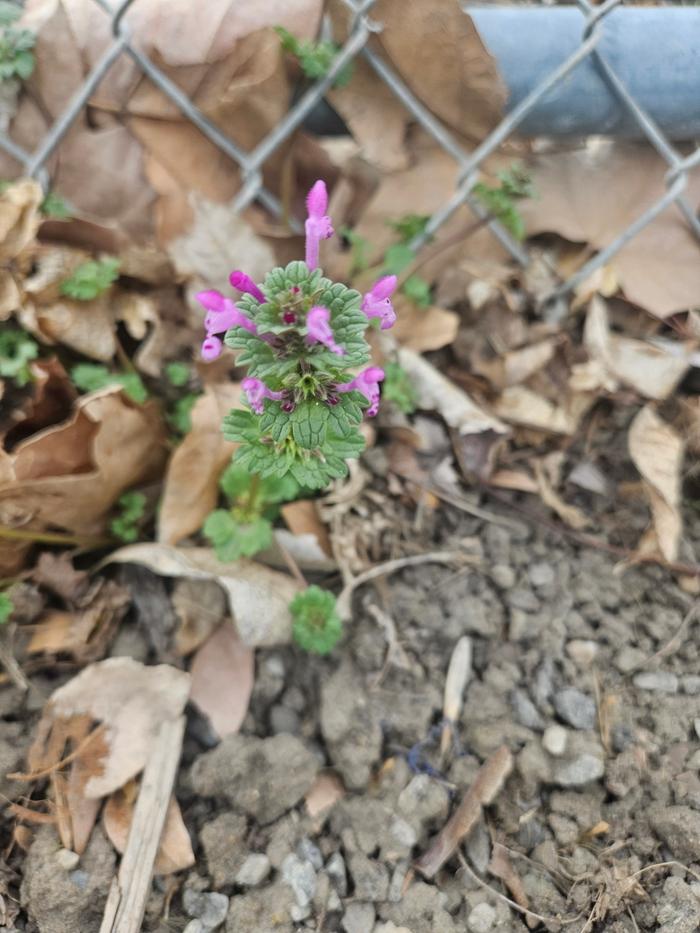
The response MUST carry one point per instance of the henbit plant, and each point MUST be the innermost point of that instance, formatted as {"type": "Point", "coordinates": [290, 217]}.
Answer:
{"type": "Point", "coordinates": [302, 339]}
{"type": "Point", "coordinates": [132, 507]}
{"type": "Point", "coordinates": [316, 626]}
{"type": "Point", "coordinates": [315, 58]}
{"type": "Point", "coordinates": [91, 279]}
{"type": "Point", "coordinates": [16, 45]}
{"type": "Point", "coordinates": [501, 200]}
{"type": "Point", "coordinates": [17, 350]}
{"type": "Point", "coordinates": [246, 526]}
{"type": "Point", "coordinates": [89, 377]}
{"type": "Point", "coordinates": [55, 207]}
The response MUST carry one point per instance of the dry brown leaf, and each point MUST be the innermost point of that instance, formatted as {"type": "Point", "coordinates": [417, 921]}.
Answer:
{"type": "Point", "coordinates": [219, 240]}
{"type": "Point", "coordinates": [513, 479]}
{"type": "Point", "coordinates": [657, 452]}
{"type": "Point", "coordinates": [434, 391]}
{"type": "Point", "coordinates": [130, 699]}
{"type": "Point", "coordinates": [521, 405]}
{"type": "Point", "coordinates": [175, 848]}
{"type": "Point", "coordinates": [423, 329]}
{"type": "Point", "coordinates": [515, 367]}
{"type": "Point", "coordinates": [19, 217]}
{"type": "Point", "coordinates": [70, 475]}
{"type": "Point", "coordinates": [658, 269]}
{"type": "Point", "coordinates": [222, 673]}
{"type": "Point", "coordinates": [571, 515]}
{"type": "Point", "coordinates": [486, 786]}
{"type": "Point", "coordinates": [652, 371]}
{"type": "Point", "coordinates": [437, 50]}
{"type": "Point", "coordinates": [200, 606]}
{"type": "Point", "coordinates": [258, 597]}
{"type": "Point", "coordinates": [501, 867]}
{"type": "Point", "coordinates": [302, 518]}
{"type": "Point", "coordinates": [191, 483]}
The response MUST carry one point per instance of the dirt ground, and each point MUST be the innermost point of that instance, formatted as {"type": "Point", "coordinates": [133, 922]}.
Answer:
{"type": "Point", "coordinates": [589, 676]}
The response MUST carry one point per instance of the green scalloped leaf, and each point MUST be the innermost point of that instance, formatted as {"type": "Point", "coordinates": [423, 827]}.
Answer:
{"type": "Point", "coordinates": [309, 424]}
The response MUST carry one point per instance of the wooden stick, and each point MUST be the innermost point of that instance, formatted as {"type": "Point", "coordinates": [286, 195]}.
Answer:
{"type": "Point", "coordinates": [126, 903]}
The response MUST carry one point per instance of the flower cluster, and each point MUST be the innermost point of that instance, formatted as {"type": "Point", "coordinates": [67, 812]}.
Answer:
{"type": "Point", "coordinates": [302, 339]}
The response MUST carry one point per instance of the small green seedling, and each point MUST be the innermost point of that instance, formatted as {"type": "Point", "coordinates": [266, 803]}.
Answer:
{"type": "Point", "coordinates": [17, 350]}
{"type": "Point", "coordinates": [399, 257]}
{"type": "Point", "coordinates": [501, 200]}
{"type": "Point", "coordinates": [177, 373]}
{"type": "Point", "coordinates": [91, 279]}
{"type": "Point", "coordinates": [6, 608]}
{"type": "Point", "coordinates": [89, 377]}
{"type": "Point", "coordinates": [316, 626]}
{"type": "Point", "coordinates": [132, 507]}
{"type": "Point", "coordinates": [315, 58]}
{"type": "Point", "coordinates": [246, 526]}
{"type": "Point", "coordinates": [16, 45]}
{"type": "Point", "coordinates": [398, 388]}
{"type": "Point", "coordinates": [180, 415]}
{"type": "Point", "coordinates": [54, 206]}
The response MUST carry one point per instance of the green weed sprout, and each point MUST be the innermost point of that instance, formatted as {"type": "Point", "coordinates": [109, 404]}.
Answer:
{"type": "Point", "coordinates": [398, 388]}
{"type": "Point", "coordinates": [89, 377]}
{"type": "Point", "coordinates": [16, 45]}
{"type": "Point", "coordinates": [17, 350]}
{"type": "Point", "coordinates": [132, 507]}
{"type": "Point", "coordinates": [90, 279]}
{"type": "Point", "coordinates": [6, 608]}
{"type": "Point", "coordinates": [316, 626]}
{"type": "Point", "coordinates": [501, 200]}
{"type": "Point", "coordinates": [315, 58]}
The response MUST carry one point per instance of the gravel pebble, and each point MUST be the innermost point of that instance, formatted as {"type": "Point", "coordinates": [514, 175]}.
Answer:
{"type": "Point", "coordinates": [300, 875]}
{"type": "Point", "coordinates": [504, 576]}
{"type": "Point", "coordinates": [254, 870]}
{"type": "Point", "coordinates": [691, 684]}
{"type": "Point", "coordinates": [554, 740]}
{"type": "Point", "coordinates": [579, 771]}
{"type": "Point", "coordinates": [575, 708]}
{"type": "Point", "coordinates": [696, 724]}
{"type": "Point", "coordinates": [66, 859]}
{"type": "Point", "coordinates": [582, 650]}
{"type": "Point", "coordinates": [541, 574]}
{"type": "Point", "coordinates": [482, 918]}
{"type": "Point", "coordinates": [679, 827]}
{"type": "Point", "coordinates": [284, 719]}
{"type": "Point", "coordinates": [335, 869]}
{"type": "Point", "coordinates": [658, 681]}
{"type": "Point", "coordinates": [525, 710]}
{"type": "Point", "coordinates": [358, 918]}
{"type": "Point", "coordinates": [209, 907]}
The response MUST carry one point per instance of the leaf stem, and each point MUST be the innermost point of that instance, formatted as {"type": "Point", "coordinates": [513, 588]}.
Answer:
{"type": "Point", "coordinates": [49, 537]}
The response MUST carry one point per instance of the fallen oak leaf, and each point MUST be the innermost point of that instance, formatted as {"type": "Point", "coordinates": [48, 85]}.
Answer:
{"type": "Point", "coordinates": [223, 673]}
{"type": "Point", "coordinates": [486, 786]}
{"type": "Point", "coordinates": [657, 452]}
{"type": "Point", "coordinates": [175, 846]}
{"type": "Point", "coordinates": [258, 596]}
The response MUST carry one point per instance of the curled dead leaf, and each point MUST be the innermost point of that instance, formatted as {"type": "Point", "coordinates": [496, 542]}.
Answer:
{"type": "Point", "coordinates": [258, 596]}
{"type": "Point", "coordinates": [657, 452]}
{"type": "Point", "coordinates": [222, 679]}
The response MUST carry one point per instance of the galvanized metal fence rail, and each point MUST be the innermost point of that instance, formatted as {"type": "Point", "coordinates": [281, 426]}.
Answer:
{"type": "Point", "coordinates": [362, 27]}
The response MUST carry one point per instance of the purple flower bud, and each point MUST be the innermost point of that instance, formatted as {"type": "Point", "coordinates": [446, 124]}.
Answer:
{"type": "Point", "coordinates": [211, 348]}
{"type": "Point", "coordinates": [366, 382]}
{"type": "Point", "coordinates": [287, 406]}
{"type": "Point", "coordinates": [256, 391]}
{"type": "Point", "coordinates": [244, 283]}
{"type": "Point", "coordinates": [319, 330]}
{"type": "Point", "coordinates": [222, 313]}
{"type": "Point", "coordinates": [318, 225]}
{"type": "Point", "coordinates": [289, 317]}
{"type": "Point", "coordinates": [377, 301]}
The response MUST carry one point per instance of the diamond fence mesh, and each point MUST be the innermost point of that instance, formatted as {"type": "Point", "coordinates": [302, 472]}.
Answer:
{"type": "Point", "coordinates": [362, 27]}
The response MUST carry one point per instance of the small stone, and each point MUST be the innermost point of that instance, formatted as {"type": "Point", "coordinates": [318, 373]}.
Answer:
{"type": "Point", "coordinates": [582, 651]}
{"type": "Point", "coordinates": [541, 574]}
{"type": "Point", "coordinates": [679, 828]}
{"type": "Point", "coordinates": [224, 842]}
{"type": "Point", "coordinates": [306, 849]}
{"type": "Point", "coordinates": [696, 724]}
{"type": "Point", "coordinates": [195, 926]}
{"type": "Point", "coordinates": [554, 740]}
{"type": "Point", "coordinates": [694, 762]}
{"type": "Point", "coordinates": [300, 875]}
{"type": "Point", "coordinates": [274, 666]}
{"type": "Point", "coordinates": [209, 907]}
{"type": "Point", "coordinates": [525, 710]}
{"type": "Point", "coordinates": [283, 719]}
{"type": "Point", "coordinates": [691, 684]}
{"type": "Point", "coordinates": [298, 913]}
{"type": "Point", "coordinates": [254, 870]}
{"type": "Point", "coordinates": [482, 918]}
{"type": "Point", "coordinates": [658, 681]}
{"type": "Point", "coordinates": [370, 877]}
{"type": "Point", "coordinates": [579, 771]}
{"type": "Point", "coordinates": [335, 869]}
{"type": "Point", "coordinates": [628, 658]}
{"type": "Point", "coordinates": [503, 576]}
{"type": "Point", "coordinates": [404, 833]}
{"type": "Point", "coordinates": [575, 708]}
{"type": "Point", "coordinates": [333, 903]}
{"type": "Point", "coordinates": [358, 918]}
{"type": "Point", "coordinates": [66, 859]}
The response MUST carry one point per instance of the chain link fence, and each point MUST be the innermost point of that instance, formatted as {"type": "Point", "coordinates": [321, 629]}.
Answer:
{"type": "Point", "coordinates": [362, 27]}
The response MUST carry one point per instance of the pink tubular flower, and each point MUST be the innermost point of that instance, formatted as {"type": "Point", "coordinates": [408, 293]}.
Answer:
{"type": "Point", "coordinates": [318, 225]}
{"type": "Point", "coordinates": [244, 283]}
{"type": "Point", "coordinates": [221, 314]}
{"type": "Point", "coordinates": [377, 301]}
{"type": "Point", "coordinates": [211, 348]}
{"type": "Point", "coordinates": [366, 382]}
{"type": "Point", "coordinates": [319, 330]}
{"type": "Point", "coordinates": [256, 391]}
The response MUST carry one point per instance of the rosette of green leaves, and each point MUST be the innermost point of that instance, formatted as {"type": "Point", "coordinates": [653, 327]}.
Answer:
{"type": "Point", "coordinates": [316, 626]}
{"type": "Point", "coordinates": [313, 441]}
